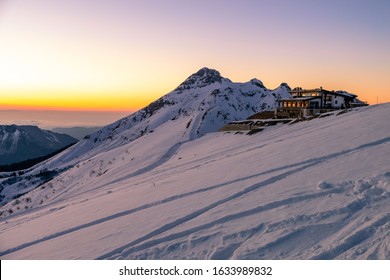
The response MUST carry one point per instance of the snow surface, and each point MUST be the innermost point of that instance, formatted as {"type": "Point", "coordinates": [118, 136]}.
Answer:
{"type": "Point", "coordinates": [318, 189]}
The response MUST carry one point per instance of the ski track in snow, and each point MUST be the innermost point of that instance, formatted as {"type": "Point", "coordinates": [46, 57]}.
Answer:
{"type": "Point", "coordinates": [171, 152]}
{"type": "Point", "coordinates": [316, 231]}
{"type": "Point", "coordinates": [354, 239]}
{"type": "Point", "coordinates": [306, 164]}
{"type": "Point", "coordinates": [166, 157]}
{"type": "Point", "coordinates": [163, 159]}
{"type": "Point", "coordinates": [225, 219]}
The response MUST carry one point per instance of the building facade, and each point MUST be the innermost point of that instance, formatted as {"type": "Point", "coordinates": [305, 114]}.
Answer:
{"type": "Point", "coordinates": [308, 102]}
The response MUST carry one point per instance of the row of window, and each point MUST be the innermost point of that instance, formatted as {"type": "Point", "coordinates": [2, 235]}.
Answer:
{"type": "Point", "coordinates": [295, 104]}
{"type": "Point", "coordinates": [307, 94]}
{"type": "Point", "coordinates": [302, 103]}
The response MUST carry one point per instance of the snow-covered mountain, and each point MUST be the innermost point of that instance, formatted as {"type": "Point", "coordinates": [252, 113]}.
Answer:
{"type": "Point", "coordinates": [19, 143]}
{"type": "Point", "coordinates": [148, 187]}
{"type": "Point", "coordinates": [203, 103]}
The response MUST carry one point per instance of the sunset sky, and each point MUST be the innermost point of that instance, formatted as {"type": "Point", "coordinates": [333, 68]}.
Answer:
{"type": "Point", "coordinates": [120, 55]}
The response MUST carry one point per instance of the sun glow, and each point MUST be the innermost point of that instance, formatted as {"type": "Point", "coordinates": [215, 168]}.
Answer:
{"type": "Point", "coordinates": [67, 55]}
{"type": "Point", "coordinates": [89, 101]}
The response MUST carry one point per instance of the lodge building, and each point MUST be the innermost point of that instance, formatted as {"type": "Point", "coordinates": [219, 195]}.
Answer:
{"type": "Point", "coordinates": [309, 102]}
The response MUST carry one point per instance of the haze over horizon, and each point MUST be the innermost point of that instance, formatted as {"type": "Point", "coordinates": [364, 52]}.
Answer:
{"type": "Point", "coordinates": [49, 119]}
{"type": "Point", "coordinates": [121, 55]}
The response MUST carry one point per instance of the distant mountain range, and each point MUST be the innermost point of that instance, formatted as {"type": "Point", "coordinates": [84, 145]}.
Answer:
{"type": "Point", "coordinates": [77, 132]}
{"type": "Point", "coordinates": [20, 143]}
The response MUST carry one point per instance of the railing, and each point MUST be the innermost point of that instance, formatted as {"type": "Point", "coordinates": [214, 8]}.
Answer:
{"type": "Point", "coordinates": [299, 112]}
{"type": "Point", "coordinates": [312, 112]}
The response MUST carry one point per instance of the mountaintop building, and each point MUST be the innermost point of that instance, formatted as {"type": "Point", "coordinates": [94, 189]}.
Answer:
{"type": "Point", "coordinates": [308, 102]}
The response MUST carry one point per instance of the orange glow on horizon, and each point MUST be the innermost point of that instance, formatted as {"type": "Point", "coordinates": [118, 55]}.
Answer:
{"type": "Point", "coordinates": [19, 107]}
{"type": "Point", "coordinates": [71, 101]}
{"type": "Point", "coordinates": [130, 102]}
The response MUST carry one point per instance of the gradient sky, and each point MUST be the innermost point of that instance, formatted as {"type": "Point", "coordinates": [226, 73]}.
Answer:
{"type": "Point", "coordinates": [123, 54]}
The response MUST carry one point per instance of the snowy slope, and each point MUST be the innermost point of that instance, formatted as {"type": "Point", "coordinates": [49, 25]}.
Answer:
{"type": "Point", "coordinates": [315, 189]}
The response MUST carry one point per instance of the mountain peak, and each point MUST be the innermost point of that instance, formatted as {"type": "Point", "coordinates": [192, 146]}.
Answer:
{"type": "Point", "coordinates": [285, 85]}
{"type": "Point", "coordinates": [257, 82]}
{"type": "Point", "coordinates": [207, 72]}
{"type": "Point", "coordinates": [204, 77]}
